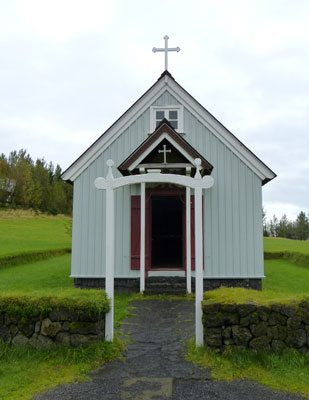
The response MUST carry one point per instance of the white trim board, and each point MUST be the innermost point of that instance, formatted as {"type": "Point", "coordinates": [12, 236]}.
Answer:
{"type": "Point", "coordinates": [166, 273]}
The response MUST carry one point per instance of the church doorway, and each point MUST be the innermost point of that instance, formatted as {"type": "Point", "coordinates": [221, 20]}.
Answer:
{"type": "Point", "coordinates": [166, 232]}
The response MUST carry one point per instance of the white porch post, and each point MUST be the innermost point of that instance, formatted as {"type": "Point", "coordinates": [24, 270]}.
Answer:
{"type": "Point", "coordinates": [142, 246]}
{"type": "Point", "coordinates": [188, 237]}
{"type": "Point", "coordinates": [109, 262]}
{"type": "Point", "coordinates": [198, 266]}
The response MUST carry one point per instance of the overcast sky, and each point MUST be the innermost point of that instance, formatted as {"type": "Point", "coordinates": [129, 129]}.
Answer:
{"type": "Point", "coordinates": [70, 68]}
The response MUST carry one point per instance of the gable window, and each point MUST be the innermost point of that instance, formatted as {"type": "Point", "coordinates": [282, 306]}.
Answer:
{"type": "Point", "coordinates": [170, 115]}
{"type": "Point", "coordinates": [174, 114]}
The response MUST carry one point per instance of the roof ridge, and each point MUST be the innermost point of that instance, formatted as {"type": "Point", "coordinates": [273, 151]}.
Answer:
{"type": "Point", "coordinates": [166, 73]}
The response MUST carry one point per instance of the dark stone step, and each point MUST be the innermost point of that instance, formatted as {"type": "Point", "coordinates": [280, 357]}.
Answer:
{"type": "Point", "coordinates": [164, 285]}
{"type": "Point", "coordinates": [175, 286]}
{"type": "Point", "coordinates": [166, 291]}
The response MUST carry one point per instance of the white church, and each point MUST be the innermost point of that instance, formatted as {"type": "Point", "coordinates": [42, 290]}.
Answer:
{"type": "Point", "coordinates": [165, 191]}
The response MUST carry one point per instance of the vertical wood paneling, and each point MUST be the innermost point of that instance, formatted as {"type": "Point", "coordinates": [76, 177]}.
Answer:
{"type": "Point", "coordinates": [242, 220]}
{"type": "Point", "coordinates": [76, 228]}
{"type": "Point", "coordinates": [233, 243]}
{"type": "Point", "coordinates": [222, 215]}
{"type": "Point", "coordinates": [165, 99]}
{"type": "Point", "coordinates": [99, 221]}
{"type": "Point", "coordinates": [214, 204]}
{"type": "Point", "coordinates": [235, 216]}
{"type": "Point", "coordinates": [85, 221]}
{"type": "Point", "coordinates": [91, 221]}
{"type": "Point", "coordinates": [258, 224]}
{"type": "Point", "coordinates": [249, 221]}
{"type": "Point", "coordinates": [228, 214]}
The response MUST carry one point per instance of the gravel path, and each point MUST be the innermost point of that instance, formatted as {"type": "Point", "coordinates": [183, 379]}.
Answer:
{"type": "Point", "coordinates": [154, 367]}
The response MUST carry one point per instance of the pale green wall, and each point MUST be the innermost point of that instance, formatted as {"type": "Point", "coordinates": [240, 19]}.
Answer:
{"type": "Point", "coordinates": [232, 207]}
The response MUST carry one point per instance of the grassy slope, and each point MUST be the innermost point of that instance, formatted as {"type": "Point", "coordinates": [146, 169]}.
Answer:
{"type": "Point", "coordinates": [285, 278]}
{"type": "Point", "coordinates": [33, 233]}
{"type": "Point", "coordinates": [45, 276]}
{"type": "Point", "coordinates": [278, 244]}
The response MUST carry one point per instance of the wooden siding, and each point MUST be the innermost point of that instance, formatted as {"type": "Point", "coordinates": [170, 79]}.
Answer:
{"type": "Point", "coordinates": [233, 245]}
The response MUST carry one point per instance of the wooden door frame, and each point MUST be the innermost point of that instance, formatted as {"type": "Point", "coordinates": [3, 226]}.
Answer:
{"type": "Point", "coordinates": [164, 192]}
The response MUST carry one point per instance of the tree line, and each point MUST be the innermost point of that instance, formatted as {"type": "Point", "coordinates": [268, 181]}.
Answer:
{"type": "Point", "coordinates": [298, 229]}
{"type": "Point", "coordinates": [25, 183]}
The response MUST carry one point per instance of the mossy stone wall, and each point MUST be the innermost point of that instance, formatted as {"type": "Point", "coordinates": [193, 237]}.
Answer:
{"type": "Point", "coordinates": [257, 327]}
{"type": "Point", "coordinates": [60, 327]}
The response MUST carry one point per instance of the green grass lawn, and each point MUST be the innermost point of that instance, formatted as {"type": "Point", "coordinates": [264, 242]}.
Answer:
{"type": "Point", "coordinates": [33, 233]}
{"type": "Point", "coordinates": [47, 277]}
{"type": "Point", "coordinates": [286, 278]}
{"type": "Point", "coordinates": [42, 276]}
{"type": "Point", "coordinates": [26, 371]}
{"type": "Point", "coordinates": [279, 244]}
{"type": "Point", "coordinates": [287, 372]}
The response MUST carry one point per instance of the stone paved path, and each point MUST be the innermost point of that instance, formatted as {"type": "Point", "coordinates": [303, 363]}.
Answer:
{"type": "Point", "coordinates": [154, 367]}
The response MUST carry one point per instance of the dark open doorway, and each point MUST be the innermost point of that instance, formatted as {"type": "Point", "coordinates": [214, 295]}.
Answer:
{"type": "Point", "coordinates": [167, 231]}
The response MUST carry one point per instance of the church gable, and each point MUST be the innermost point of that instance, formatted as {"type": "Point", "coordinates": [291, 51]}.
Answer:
{"type": "Point", "coordinates": [167, 99]}
{"type": "Point", "coordinates": [166, 150]}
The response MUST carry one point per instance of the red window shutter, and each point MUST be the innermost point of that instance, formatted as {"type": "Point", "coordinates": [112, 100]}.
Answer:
{"type": "Point", "coordinates": [136, 232]}
{"type": "Point", "coordinates": [192, 235]}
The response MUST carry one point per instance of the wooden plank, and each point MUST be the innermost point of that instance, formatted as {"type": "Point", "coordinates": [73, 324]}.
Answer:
{"type": "Point", "coordinates": [188, 238]}
{"type": "Point", "coordinates": [142, 238]}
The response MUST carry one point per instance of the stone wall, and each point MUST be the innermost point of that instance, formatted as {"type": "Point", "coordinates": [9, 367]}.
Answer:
{"type": "Point", "coordinates": [61, 326]}
{"type": "Point", "coordinates": [133, 284]}
{"type": "Point", "coordinates": [258, 327]}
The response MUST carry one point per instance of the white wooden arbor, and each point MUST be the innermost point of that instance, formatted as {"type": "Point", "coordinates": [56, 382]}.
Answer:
{"type": "Point", "coordinates": [198, 184]}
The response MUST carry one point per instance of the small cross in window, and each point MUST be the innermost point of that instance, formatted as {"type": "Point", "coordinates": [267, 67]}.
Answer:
{"type": "Point", "coordinates": [164, 151]}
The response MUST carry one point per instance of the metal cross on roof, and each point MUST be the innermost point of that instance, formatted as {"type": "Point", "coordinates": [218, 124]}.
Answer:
{"type": "Point", "coordinates": [166, 49]}
{"type": "Point", "coordinates": [164, 151]}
